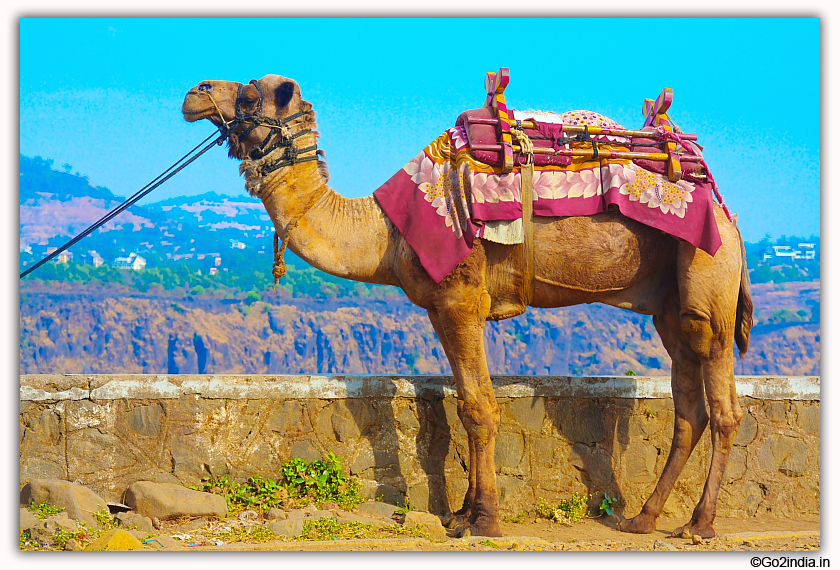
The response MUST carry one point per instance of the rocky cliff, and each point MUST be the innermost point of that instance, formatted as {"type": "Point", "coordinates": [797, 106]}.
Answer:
{"type": "Point", "coordinates": [82, 330]}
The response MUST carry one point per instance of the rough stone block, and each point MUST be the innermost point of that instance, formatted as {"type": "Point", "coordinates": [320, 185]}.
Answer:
{"type": "Point", "coordinates": [91, 451]}
{"type": "Point", "coordinates": [390, 494]}
{"type": "Point", "coordinates": [145, 421]}
{"type": "Point", "coordinates": [167, 501]}
{"type": "Point", "coordinates": [581, 425]}
{"type": "Point", "coordinates": [528, 412]}
{"type": "Point", "coordinates": [737, 465]}
{"type": "Point", "coordinates": [748, 430]}
{"type": "Point", "coordinates": [776, 411]}
{"type": "Point", "coordinates": [784, 453]}
{"type": "Point", "coordinates": [58, 522]}
{"type": "Point", "coordinates": [80, 503]}
{"type": "Point", "coordinates": [808, 417]}
{"type": "Point", "coordinates": [640, 463]}
{"type": "Point", "coordinates": [509, 449]}
{"type": "Point", "coordinates": [305, 449]}
{"type": "Point", "coordinates": [407, 420]}
{"type": "Point", "coordinates": [594, 462]}
{"type": "Point", "coordinates": [287, 418]}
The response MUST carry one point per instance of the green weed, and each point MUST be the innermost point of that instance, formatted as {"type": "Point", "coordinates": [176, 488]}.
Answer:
{"type": "Point", "coordinates": [300, 483]}
{"type": "Point", "coordinates": [567, 511]}
{"type": "Point", "coordinates": [44, 510]}
{"type": "Point", "coordinates": [518, 518]}
{"type": "Point", "coordinates": [606, 504]}
{"type": "Point", "coordinates": [328, 528]}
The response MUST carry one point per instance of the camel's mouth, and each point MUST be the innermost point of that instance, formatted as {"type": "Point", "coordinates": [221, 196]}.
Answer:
{"type": "Point", "coordinates": [192, 115]}
{"type": "Point", "coordinates": [195, 109]}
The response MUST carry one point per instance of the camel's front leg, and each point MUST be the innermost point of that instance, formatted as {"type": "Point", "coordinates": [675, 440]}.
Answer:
{"type": "Point", "coordinates": [460, 316]}
{"type": "Point", "coordinates": [462, 516]}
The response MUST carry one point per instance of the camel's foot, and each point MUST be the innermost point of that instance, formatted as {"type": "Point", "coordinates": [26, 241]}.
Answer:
{"type": "Point", "coordinates": [703, 530]}
{"type": "Point", "coordinates": [482, 526]}
{"type": "Point", "coordinates": [454, 520]}
{"type": "Point", "coordinates": [642, 523]}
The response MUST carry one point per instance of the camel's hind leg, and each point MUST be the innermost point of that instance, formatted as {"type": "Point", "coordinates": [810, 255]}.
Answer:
{"type": "Point", "coordinates": [690, 418]}
{"type": "Point", "coordinates": [709, 288]}
{"type": "Point", "coordinates": [702, 346]}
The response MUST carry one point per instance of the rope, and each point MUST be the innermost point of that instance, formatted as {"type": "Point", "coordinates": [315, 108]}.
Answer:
{"type": "Point", "coordinates": [160, 179]}
{"type": "Point", "coordinates": [279, 269]}
{"type": "Point", "coordinates": [526, 146]}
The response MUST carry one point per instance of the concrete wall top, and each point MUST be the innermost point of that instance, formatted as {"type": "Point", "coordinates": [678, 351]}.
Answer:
{"type": "Point", "coordinates": [55, 387]}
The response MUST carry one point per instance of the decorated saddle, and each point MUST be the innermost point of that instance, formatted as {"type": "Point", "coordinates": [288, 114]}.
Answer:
{"type": "Point", "coordinates": [468, 183]}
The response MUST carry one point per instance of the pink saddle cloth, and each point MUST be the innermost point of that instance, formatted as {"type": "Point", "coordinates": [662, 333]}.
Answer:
{"type": "Point", "coordinates": [445, 197]}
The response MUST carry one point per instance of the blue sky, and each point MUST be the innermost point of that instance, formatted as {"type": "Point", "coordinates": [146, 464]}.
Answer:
{"type": "Point", "coordinates": [104, 94]}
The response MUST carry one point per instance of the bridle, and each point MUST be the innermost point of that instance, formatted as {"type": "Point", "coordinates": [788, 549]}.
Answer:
{"type": "Point", "coordinates": [278, 130]}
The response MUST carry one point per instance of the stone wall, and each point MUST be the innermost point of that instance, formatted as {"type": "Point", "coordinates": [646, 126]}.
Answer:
{"type": "Point", "coordinates": [402, 438]}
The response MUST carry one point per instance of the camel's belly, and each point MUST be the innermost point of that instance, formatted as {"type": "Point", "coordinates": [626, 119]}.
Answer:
{"type": "Point", "coordinates": [595, 258]}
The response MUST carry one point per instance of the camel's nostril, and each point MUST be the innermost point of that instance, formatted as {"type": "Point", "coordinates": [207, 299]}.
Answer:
{"type": "Point", "coordinates": [204, 87]}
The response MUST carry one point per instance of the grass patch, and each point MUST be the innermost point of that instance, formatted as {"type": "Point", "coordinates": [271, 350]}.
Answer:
{"type": "Point", "coordinates": [328, 528]}
{"type": "Point", "coordinates": [44, 510]}
{"type": "Point", "coordinates": [567, 511]}
{"type": "Point", "coordinates": [256, 533]}
{"type": "Point", "coordinates": [301, 482]}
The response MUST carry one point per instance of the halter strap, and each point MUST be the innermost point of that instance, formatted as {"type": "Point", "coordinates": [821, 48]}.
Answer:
{"type": "Point", "coordinates": [278, 128]}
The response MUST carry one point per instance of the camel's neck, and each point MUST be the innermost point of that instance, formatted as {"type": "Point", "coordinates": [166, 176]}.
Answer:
{"type": "Point", "coordinates": [344, 237]}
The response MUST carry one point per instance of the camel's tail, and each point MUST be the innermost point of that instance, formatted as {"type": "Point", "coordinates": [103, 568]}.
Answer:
{"type": "Point", "coordinates": [744, 312]}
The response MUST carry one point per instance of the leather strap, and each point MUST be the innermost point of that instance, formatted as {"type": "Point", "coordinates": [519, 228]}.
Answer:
{"type": "Point", "coordinates": [527, 189]}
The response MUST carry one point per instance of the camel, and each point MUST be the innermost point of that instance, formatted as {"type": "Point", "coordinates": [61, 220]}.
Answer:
{"type": "Point", "coordinates": [700, 303]}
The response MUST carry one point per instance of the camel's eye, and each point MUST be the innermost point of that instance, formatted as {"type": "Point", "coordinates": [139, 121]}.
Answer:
{"type": "Point", "coordinates": [204, 87]}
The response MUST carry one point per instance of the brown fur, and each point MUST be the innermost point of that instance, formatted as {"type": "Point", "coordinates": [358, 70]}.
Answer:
{"type": "Point", "coordinates": [700, 304]}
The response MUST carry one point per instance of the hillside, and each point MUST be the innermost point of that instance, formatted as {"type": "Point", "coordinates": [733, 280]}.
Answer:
{"type": "Point", "coordinates": [81, 330]}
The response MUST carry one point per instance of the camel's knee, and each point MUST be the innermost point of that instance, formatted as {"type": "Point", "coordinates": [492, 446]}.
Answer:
{"type": "Point", "coordinates": [726, 425]}
{"type": "Point", "coordinates": [698, 329]}
{"type": "Point", "coordinates": [481, 422]}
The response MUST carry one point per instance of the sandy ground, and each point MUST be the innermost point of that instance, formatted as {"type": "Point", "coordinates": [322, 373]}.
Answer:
{"type": "Point", "coordinates": [765, 534]}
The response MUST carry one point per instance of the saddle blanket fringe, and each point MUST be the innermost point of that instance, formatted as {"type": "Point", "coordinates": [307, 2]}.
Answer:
{"type": "Point", "coordinates": [444, 199]}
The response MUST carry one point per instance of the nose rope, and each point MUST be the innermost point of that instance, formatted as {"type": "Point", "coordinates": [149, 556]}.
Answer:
{"type": "Point", "coordinates": [218, 110]}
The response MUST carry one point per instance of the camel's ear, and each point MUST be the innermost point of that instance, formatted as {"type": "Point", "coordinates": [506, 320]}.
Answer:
{"type": "Point", "coordinates": [284, 94]}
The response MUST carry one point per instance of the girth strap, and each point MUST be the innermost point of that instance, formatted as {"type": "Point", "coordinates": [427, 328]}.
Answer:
{"type": "Point", "coordinates": [528, 267]}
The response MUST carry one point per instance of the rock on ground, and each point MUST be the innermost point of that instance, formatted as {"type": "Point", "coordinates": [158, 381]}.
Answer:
{"type": "Point", "coordinates": [377, 509]}
{"type": "Point", "coordinates": [276, 515]}
{"type": "Point", "coordinates": [289, 527]}
{"type": "Point", "coordinates": [27, 519]}
{"type": "Point", "coordinates": [142, 523]}
{"type": "Point", "coordinates": [427, 522]}
{"type": "Point", "coordinates": [168, 501]}
{"type": "Point", "coordinates": [115, 539]}
{"type": "Point", "coordinates": [80, 503]}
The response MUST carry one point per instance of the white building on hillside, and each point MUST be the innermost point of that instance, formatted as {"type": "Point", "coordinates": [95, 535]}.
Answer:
{"type": "Point", "coordinates": [133, 261]}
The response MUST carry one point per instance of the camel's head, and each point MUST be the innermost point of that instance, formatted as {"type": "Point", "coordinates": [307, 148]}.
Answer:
{"type": "Point", "coordinates": [273, 97]}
